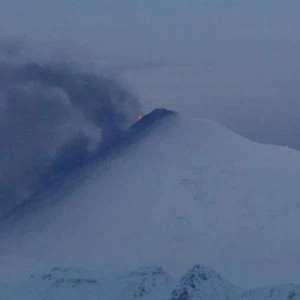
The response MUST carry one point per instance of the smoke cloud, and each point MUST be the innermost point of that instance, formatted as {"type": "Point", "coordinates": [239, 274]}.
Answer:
{"type": "Point", "coordinates": [52, 117]}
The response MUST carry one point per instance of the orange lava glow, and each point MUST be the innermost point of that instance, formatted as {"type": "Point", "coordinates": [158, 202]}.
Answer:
{"type": "Point", "coordinates": [139, 116]}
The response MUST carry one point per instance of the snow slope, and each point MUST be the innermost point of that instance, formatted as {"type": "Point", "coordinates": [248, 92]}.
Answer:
{"type": "Point", "coordinates": [186, 191]}
{"type": "Point", "coordinates": [61, 283]}
{"type": "Point", "coordinates": [202, 283]}
{"type": "Point", "coordinates": [151, 283]}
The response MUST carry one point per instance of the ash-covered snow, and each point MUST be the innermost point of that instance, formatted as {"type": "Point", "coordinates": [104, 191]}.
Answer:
{"type": "Point", "coordinates": [189, 190]}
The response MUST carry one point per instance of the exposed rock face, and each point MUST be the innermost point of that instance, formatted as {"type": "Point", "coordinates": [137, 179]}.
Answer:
{"type": "Point", "coordinates": [203, 283]}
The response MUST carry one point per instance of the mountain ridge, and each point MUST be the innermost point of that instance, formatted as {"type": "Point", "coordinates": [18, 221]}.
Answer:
{"type": "Point", "coordinates": [152, 282]}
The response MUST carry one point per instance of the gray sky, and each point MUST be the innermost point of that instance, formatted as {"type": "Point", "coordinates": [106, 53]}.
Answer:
{"type": "Point", "coordinates": [234, 61]}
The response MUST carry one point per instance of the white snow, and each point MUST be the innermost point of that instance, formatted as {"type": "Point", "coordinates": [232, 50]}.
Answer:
{"type": "Point", "coordinates": [59, 283]}
{"type": "Point", "coordinates": [149, 283]}
{"type": "Point", "coordinates": [190, 191]}
{"type": "Point", "coordinates": [202, 283]}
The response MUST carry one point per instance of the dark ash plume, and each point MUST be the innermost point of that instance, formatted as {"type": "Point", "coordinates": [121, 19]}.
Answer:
{"type": "Point", "coordinates": [52, 117]}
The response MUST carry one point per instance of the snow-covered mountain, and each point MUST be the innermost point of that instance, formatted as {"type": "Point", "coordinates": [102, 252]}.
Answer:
{"type": "Point", "coordinates": [176, 191]}
{"type": "Point", "coordinates": [150, 283]}
{"type": "Point", "coordinates": [201, 283]}
{"type": "Point", "coordinates": [61, 283]}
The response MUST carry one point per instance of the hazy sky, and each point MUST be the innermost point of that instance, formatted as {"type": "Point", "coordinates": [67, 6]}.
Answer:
{"type": "Point", "coordinates": [234, 61]}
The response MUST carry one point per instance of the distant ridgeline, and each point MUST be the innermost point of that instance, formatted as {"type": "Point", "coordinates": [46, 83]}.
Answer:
{"type": "Point", "coordinates": [149, 283]}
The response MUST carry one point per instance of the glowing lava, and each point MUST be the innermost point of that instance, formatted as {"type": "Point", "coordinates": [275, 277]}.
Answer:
{"type": "Point", "coordinates": [139, 116]}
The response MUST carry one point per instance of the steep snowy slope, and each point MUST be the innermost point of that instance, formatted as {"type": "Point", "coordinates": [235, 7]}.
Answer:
{"type": "Point", "coordinates": [202, 283]}
{"type": "Point", "coordinates": [188, 191]}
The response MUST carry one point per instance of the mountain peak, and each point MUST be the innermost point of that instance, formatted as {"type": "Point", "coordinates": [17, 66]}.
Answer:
{"type": "Point", "coordinates": [201, 282]}
{"type": "Point", "coordinates": [204, 273]}
{"type": "Point", "coordinates": [150, 119]}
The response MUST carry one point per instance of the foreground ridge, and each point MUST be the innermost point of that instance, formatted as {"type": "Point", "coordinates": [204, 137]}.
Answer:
{"type": "Point", "coordinates": [199, 283]}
